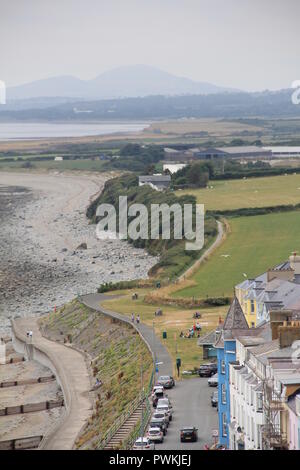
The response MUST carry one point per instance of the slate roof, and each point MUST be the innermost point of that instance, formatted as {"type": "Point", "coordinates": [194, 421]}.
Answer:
{"type": "Point", "coordinates": [155, 178]}
{"type": "Point", "coordinates": [235, 324]}
{"type": "Point", "coordinates": [209, 338]}
{"type": "Point", "coordinates": [235, 318]}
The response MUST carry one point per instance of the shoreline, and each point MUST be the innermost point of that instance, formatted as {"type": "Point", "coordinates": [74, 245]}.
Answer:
{"type": "Point", "coordinates": [41, 266]}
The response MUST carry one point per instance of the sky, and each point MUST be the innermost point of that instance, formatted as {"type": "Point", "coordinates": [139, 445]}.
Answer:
{"type": "Point", "coordinates": [246, 44]}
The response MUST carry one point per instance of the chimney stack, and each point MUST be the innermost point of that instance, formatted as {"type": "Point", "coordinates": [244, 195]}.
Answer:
{"type": "Point", "coordinates": [288, 333]}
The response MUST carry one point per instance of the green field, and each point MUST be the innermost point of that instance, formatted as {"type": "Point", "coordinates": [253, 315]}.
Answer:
{"type": "Point", "coordinates": [255, 244]}
{"type": "Point", "coordinates": [250, 192]}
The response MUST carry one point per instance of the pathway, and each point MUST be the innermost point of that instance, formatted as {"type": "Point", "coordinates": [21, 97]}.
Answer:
{"type": "Point", "coordinates": [74, 378]}
{"type": "Point", "coordinates": [94, 301]}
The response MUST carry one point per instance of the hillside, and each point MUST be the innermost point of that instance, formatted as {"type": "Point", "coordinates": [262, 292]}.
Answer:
{"type": "Point", "coordinates": [173, 257]}
{"type": "Point", "coordinates": [116, 351]}
{"type": "Point", "coordinates": [218, 105]}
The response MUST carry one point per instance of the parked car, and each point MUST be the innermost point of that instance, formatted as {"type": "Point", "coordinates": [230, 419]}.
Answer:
{"type": "Point", "coordinates": [166, 381]}
{"type": "Point", "coordinates": [143, 443]}
{"type": "Point", "coordinates": [214, 399]}
{"type": "Point", "coordinates": [159, 423]}
{"type": "Point", "coordinates": [213, 381]}
{"type": "Point", "coordinates": [158, 394]}
{"type": "Point", "coordinates": [156, 388]}
{"type": "Point", "coordinates": [155, 435]}
{"type": "Point", "coordinates": [165, 401]}
{"type": "Point", "coordinates": [189, 434]}
{"type": "Point", "coordinates": [161, 407]}
{"type": "Point", "coordinates": [161, 415]}
{"type": "Point", "coordinates": [207, 370]}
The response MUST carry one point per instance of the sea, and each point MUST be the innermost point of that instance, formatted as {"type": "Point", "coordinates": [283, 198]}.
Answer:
{"type": "Point", "coordinates": [38, 130]}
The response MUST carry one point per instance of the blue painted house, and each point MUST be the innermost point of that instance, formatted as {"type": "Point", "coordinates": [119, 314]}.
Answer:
{"type": "Point", "coordinates": [235, 324]}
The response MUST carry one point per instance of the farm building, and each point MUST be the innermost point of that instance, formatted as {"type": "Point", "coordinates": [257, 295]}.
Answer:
{"type": "Point", "coordinates": [238, 152]}
{"type": "Point", "coordinates": [158, 182]}
{"type": "Point", "coordinates": [173, 167]}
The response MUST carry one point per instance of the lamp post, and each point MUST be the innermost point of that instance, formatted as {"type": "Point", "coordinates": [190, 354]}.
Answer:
{"type": "Point", "coordinates": [142, 403]}
{"type": "Point", "coordinates": [154, 353]}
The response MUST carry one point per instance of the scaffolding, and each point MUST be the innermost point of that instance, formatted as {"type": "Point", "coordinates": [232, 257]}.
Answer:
{"type": "Point", "coordinates": [273, 436]}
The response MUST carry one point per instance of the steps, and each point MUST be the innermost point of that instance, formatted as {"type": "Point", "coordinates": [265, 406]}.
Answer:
{"type": "Point", "coordinates": [125, 429]}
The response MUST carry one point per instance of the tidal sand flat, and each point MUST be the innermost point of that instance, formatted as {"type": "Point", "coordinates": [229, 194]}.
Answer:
{"type": "Point", "coordinates": [43, 222]}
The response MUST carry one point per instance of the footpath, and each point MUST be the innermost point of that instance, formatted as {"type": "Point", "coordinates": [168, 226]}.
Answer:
{"type": "Point", "coordinates": [71, 373]}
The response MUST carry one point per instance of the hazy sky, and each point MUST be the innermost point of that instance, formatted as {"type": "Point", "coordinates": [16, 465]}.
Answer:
{"type": "Point", "coordinates": [248, 44]}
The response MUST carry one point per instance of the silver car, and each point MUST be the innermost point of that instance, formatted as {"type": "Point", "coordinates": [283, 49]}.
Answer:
{"type": "Point", "coordinates": [155, 435]}
{"type": "Point", "coordinates": [143, 443]}
{"type": "Point", "coordinates": [213, 381]}
{"type": "Point", "coordinates": [166, 409]}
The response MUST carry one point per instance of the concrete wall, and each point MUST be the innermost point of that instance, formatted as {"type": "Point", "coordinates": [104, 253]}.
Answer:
{"type": "Point", "coordinates": [45, 358]}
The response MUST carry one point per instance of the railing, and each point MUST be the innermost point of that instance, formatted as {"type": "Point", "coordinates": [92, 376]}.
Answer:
{"type": "Point", "coordinates": [127, 413]}
{"type": "Point", "coordinates": [139, 428]}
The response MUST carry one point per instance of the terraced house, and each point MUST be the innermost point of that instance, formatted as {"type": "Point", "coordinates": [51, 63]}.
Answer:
{"type": "Point", "coordinates": [276, 289]}
{"type": "Point", "coordinates": [265, 388]}
{"type": "Point", "coordinates": [234, 325]}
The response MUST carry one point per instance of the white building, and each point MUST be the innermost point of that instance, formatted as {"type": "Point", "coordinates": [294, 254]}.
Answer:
{"type": "Point", "coordinates": [246, 395]}
{"type": "Point", "coordinates": [286, 151]}
{"type": "Point", "coordinates": [173, 167]}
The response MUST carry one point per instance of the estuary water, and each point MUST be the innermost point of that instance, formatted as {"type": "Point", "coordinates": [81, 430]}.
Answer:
{"type": "Point", "coordinates": [38, 130]}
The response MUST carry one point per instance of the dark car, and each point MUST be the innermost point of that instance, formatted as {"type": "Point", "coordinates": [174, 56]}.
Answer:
{"type": "Point", "coordinates": [207, 370]}
{"type": "Point", "coordinates": [166, 381]}
{"type": "Point", "coordinates": [189, 434]}
{"type": "Point", "coordinates": [214, 399]}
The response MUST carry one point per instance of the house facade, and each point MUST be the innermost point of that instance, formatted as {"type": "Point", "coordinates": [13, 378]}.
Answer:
{"type": "Point", "coordinates": [278, 288]}
{"type": "Point", "coordinates": [234, 324]}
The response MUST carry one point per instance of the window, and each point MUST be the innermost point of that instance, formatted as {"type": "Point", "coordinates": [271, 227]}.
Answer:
{"type": "Point", "coordinates": [223, 367]}
{"type": "Point", "coordinates": [224, 425]}
{"type": "Point", "coordinates": [252, 306]}
{"type": "Point", "coordinates": [259, 401]}
{"type": "Point", "coordinates": [223, 392]}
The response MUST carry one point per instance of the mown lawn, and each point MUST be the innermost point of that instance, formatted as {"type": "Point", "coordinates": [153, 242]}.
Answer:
{"type": "Point", "coordinates": [173, 321]}
{"type": "Point", "coordinates": [255, 244]}
{"type": "Point", "coordinates": [250, 192]}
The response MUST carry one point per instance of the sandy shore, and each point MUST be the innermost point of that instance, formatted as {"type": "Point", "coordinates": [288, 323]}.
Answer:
{"type": "Point", "coordinates": [42, 220]}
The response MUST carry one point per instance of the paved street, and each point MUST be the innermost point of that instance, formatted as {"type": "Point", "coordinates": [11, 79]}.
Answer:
{"type": "Point", "coordinates": [191, 404]}
{"type": "Point", "coordinates": [190, 397]}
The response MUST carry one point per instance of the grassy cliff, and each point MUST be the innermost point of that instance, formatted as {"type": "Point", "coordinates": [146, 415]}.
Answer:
{"type": "Point", "coordinates": [174, 259]}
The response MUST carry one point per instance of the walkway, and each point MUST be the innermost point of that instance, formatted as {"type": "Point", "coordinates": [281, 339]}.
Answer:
{"type": "Point", "coordinates": [190, 397]}
{"type": "Point", "coordinates": [73, 376]}
{"type": "Point", "coordinates": [220, 238]}
{"type": "Point", "coordinates": [94, 301]}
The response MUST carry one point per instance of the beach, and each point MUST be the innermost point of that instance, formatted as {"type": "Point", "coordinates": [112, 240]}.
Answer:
{"type": "Point", "coordinates": [43, 222]}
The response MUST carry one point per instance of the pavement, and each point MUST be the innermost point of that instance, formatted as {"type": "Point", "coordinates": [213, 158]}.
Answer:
{"type": "Point", "coordinates": [94, 301]}
{"type": "Point", "coordinates": [190, 397]}
{"type": "Point", "coordinates": [74, 378]}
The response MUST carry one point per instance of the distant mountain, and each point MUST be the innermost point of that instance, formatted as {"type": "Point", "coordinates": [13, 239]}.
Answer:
{"type": "Point", "coordinates": [122, 82]}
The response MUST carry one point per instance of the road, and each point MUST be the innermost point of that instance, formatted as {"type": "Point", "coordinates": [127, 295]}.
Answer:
{"type": "Point", "coordinates": [190, 397]}
{"type": "Point", "coordinates": [191, 407]}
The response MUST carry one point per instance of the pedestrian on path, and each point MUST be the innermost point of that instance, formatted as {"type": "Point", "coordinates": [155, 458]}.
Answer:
{"type": "Point", "coordinates": [132, 317]}
{"type": "Point", "coordinates": [138, 319]}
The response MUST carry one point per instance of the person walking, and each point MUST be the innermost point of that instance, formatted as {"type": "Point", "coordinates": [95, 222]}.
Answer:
{"type": "Point", "coordinates": [132, 317]}
{"type": "Point", "coordinates": [138, 319]}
